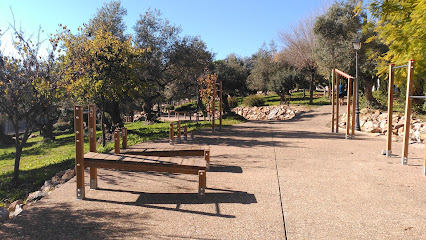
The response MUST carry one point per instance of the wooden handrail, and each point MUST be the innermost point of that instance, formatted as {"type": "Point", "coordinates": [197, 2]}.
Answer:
{"type": "Point", "coordinates": [343, 74]}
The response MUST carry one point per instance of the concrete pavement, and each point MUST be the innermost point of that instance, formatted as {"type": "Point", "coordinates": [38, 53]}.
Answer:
{"type": "Point", "coordinates": [327, 187]}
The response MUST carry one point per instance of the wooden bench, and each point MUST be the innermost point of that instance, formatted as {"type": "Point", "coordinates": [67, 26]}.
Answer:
{"type": "Point", "coordinates": [153, 160]}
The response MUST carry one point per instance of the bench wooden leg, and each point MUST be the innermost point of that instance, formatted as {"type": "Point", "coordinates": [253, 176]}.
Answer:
{"type": "Point", "coordinates": [93, 178]}
{"type": "Point", "coordinates": [202, 183]}
{"type": "Point", "coordinates": [207, 158]}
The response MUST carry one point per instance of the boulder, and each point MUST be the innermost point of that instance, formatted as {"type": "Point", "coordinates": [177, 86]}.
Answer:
{"type": "Point", "coordinates": [18, 210]}
{"type": "Point", "coordinates": [68, 175]}
{"type": "Point", "coordinates": [13, 205]}
{"type": "Point", "coordinates": [36, 196]}
{"type": "Point", "coordinates": [47, 186]}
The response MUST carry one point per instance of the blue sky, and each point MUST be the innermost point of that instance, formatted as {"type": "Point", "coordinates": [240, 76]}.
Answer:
{"type": "Point", "coordinates": [227, 26]}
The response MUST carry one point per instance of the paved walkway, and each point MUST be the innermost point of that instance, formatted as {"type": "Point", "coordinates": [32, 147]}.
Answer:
{"type": "Point", "coordinates": [327, 187]}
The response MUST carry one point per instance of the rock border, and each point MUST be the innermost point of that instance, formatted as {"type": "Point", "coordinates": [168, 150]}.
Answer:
{"type": "Point", "coordinates": [16, 207]}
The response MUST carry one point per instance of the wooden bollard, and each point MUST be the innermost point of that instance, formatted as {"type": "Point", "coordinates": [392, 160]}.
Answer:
{"type": "Point", "coordinates": [79, 150]}
{"type": "Point", "coordinates": [172, 134]}
{"type": "Point", "coordinates": [185, 133]}
{"type": "Point", "coordinates": [178, 135]}
{"type": "Point", "coordinates": [192, 135]}
{"type": "Point", "coordinates": [124, 143]}
{"type": "Point", "coordinates": [117, 141]}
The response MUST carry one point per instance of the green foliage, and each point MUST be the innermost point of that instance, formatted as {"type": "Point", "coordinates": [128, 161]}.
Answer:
{"type": "Point", "coordinates": [254, 101]}
{"type": "Point", "coordinates": [187, 107]}
{"type": "Point", "coordinates": [233, 101]}
{"type": "Point", "coordinates": [401, 27]}
{"type": "Point", "coordinates": [169, 107]}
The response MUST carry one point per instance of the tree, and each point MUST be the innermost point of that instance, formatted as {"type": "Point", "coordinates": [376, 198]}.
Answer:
{"type": "Point", "coordinates": [159, 36]}
{"type": "Point", "coordinates": [261, 71]}
{"type": "Point", "coordinates": [110, 19]}
{"type": "Point", "coordinates": [233, 73]}
{"type": "Point", "coordinates": [300, 46]}
{"type": "Point", "coordinates": [400, 25]}
{"type": "Point", "coordinates": [283, 79]}
{"type": "Point", "coordinates": [100, 68]}
{"type": "Point", "coordinates": [188, 60]}
{"type": "Point", "coordinates": [25, 84]}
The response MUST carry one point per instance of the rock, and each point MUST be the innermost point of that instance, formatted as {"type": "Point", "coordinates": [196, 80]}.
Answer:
{"type": "Point", "coordinates": [68, 175]}
{"type": "Point", "coordinates": [4, 214]}
{"type": "Point", "coordinates": [13, 205]}
{"type": "Point", "coordinates": [56, 180]}
{"type": "Point", "coordinates": [60, 174]}
{"type": "Point", "coordinates": [18, 210]}
{"type": "Point", "coordinates": [47, 186]}
{"type": "Point", "coordinates": [36, 196]}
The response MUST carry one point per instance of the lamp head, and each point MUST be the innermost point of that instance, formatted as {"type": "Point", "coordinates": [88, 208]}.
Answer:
{"type": "Point", "coordinates": [357, 44]}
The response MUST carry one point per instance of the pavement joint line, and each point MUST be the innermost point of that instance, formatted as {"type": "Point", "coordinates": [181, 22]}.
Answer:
{"type": "Point", "coordinates": [279, 185]}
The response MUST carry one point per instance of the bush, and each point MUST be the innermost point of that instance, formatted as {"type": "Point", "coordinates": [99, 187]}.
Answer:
{"type": "Point", "coordinates": [254, 101]}
{"type": "Point", "coordinates": [169, 107]}
{"type": "Point", "coordinates": [233, 102]}
{"type": "Point", "coordinates": [187, 107]}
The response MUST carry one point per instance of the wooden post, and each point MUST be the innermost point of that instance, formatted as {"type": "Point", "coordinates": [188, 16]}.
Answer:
{"type": "Point", "coordinates": [178, 134]}
{"type": "Point", "coordinates": [168, 113]}
{"type": "Point", "coordinates": [390, 111]}
{"type": "Point", "coordinates": [424, 161]}
{"type": "Point", "coordinates": [92, 145]}
{"type": "Point", "coordinates": [348, 114]}
{"type": "Point", "coordinates": [408, 101]}
{"type": "Point", "coordinates": [354, 81]}
{"type": "Point", "coordinates": [214, 105]}
{"type": "Point", "coordinates": [171, 134]}
{"type": "Point", "coordinates": [337, 102]}
{"type": "Point", "coordinates": [207, 158]}
{"type": "Point", "coordinates": [79, 150]}
{"type": "Point", "coordinates": [202, 183]}
{"type": "Point", "coordinates": [185, 133]}
{"type": "Point", "coordinates": [333, 77]}
{"type": "Point", "coordinates": [220, 106]}
{"type": "Point", "coordinates": [124, 143]}
{"type": "Point", "coordinates": [117, 141]}
{"type": "Point", "coordinates": [192, 135]}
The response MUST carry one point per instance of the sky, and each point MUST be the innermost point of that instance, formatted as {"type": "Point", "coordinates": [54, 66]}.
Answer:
{"type": "Point", "coordinates": [226, 26]}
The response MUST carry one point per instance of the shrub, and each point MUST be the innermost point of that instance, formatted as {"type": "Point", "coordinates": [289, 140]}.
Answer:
{"type": "Point", "coordinates": [187, 107]}
{"type": "Point", "coordinates": [169, 107]}
{"type": "Point", "coordinates": [254, 101]}
{"type": "Point", "coordinates": [232, 101]}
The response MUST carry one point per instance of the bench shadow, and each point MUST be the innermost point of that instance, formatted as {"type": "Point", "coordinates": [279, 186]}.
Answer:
{"type": "Point", "coordinates": [157, 200]}
{"type": "Point", "coordinates": [225, 168]}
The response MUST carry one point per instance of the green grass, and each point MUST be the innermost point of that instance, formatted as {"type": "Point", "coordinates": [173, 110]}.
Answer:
{"type": "Point", "coordinates": [41, 161]}
{"type": "Point", "coordinates": [296, 99]}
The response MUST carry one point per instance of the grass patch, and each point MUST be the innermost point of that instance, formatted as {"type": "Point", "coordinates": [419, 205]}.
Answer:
{"type": "Point", "coordinates": [41, 161]}
{"type": "Point", "coordinates": [296, 99]}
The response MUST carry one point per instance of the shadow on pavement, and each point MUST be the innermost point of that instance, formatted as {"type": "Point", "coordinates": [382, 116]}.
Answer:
{"type": "Point", "coordinates": [64, 222]}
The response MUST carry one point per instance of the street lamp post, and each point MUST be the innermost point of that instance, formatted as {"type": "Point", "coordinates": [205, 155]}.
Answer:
{"type": "Point", "coordinates": [357, 46]}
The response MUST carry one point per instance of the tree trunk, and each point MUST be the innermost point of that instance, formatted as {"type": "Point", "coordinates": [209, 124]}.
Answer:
{"type": "Point", "coordinates": [147, 108]}
{"type": "Point", "coordinates": [103, 122]}
{"type": "Point", "coordinates": [282, 96]}
{"type": "Point", "coordinates": [114, 111]}
{"type": "Point", "coordinates": [311, 88]}
{"type": "Point", "coordinates": [304, 94]}
{"type": "Point", "coordinates": [47, 131]}
{"type": "Point", "coordinates": [226, 108]}
{"type": "Point", "coordinates": [371, 101]}
{"type": "Point", "coordinates": [18, 153]}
